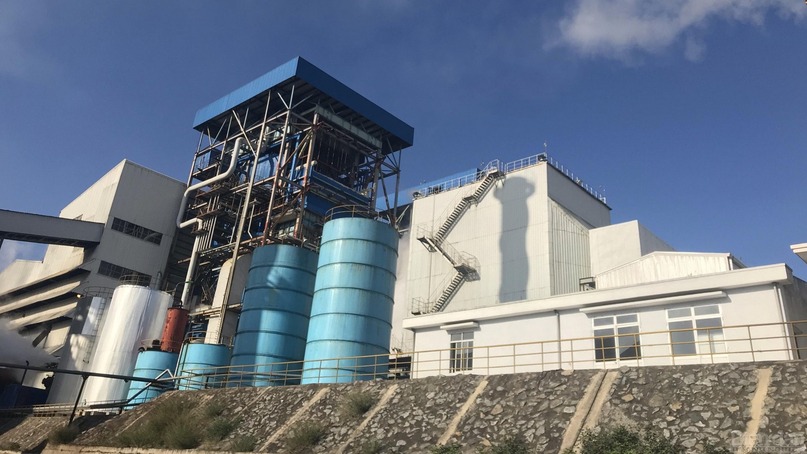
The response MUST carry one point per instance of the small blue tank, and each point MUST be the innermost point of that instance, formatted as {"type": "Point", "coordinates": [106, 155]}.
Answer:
{"type": "Point", "coordinates": [151, 364]}
{"type": "Point", "coordinates": [196, 359]}
{"type": "Point", "coordinates": [351, 314]}
{"type": "Point", "coordinates": [270, 340]}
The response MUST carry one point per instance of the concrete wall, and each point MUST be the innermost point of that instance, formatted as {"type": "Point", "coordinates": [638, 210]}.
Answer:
{"type": "Point", "coordinates": [727, 405]}
{"type": "Point", "coordinates": [618, 244]}
{"type": "Point", "coordinates": [529, 235]}
{"type": "Point", "coordinates": [539, 330]}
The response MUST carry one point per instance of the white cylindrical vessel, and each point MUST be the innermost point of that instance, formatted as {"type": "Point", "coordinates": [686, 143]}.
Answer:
{"type": "Point", "coordinates": [134, 314]}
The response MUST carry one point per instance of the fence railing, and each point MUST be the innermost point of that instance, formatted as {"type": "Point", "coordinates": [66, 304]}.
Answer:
{"type": "Point", "coordinates": [738, 343]}
{"type": "Point", "coordinates": [506, 168]}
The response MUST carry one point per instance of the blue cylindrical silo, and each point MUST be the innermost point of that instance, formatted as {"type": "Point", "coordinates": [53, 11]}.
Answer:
{"type": "Point", "coordinates": [202, 366]}
{"type": "Point", "coordinates": [351, 313]}
{"type": "Point", "coordinates": [151, 364]}
{"type": "Point", "coordinates": [270, 340]}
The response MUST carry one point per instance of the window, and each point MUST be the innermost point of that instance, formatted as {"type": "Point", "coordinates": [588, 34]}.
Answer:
{"type": "Point", "coordinates": [700, 332]}
{"type": "Point", "coordinates": [617, 337]}
{"type": "Point", "coordinates": [118, 272]}
{"type": "Point", "coordinates": [462, 351]}
{"type": "Point", "coordinates": [136, 231]}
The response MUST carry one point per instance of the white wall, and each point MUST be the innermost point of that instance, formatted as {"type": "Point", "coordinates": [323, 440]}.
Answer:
{"type": "Point", "coordinates": [528, 245]}
{"type": "Point", "coordinates": [536, 333]}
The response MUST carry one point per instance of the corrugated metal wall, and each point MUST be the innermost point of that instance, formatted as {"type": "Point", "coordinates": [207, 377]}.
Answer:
{"type": "Point", "coordinates": [569, 251]}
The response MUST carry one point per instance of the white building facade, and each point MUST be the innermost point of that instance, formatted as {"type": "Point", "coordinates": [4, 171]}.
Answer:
{"type": "Point", "coordinates": [557, 286]}
{"type": "Point", "coordinates": [58, 303]}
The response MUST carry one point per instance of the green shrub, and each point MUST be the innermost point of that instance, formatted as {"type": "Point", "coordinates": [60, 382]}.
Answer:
{"type": "Point", "coordinates": [453, 448]}
{"type": "Point", "coordinates": [10, 446]}
{"type": "Point", "coordinates": [305, 436]}
{"type": "Point", "coordinates": [620, 439]}
{"type": "Point", "coordinates": [214, 408]}
{"type": "Point", "coordinates": [64, 435]}
{"type": "Point", "coordinates": [370, 447]}
{"type": "Point", "coordinates": [356, 404]}
{"type": "Point", "coordinates": [182, 434]}
{"type": "Point", "coordinates": [243, 444]}
{"type": "Point", "coordinates": [515, 444]}
{"type": "Point", "coordinates": [170, 425]}
{"type": "Point", "coordinates": [219, 428]}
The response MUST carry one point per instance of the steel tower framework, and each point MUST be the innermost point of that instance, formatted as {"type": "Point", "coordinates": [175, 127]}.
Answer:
{"type": "Point", "coordinates": [274, 156]}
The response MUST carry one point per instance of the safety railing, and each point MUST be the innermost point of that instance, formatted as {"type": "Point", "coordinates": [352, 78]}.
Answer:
{"type": "Point", "coordinates": [738, 343]}
{"type": "Point", "coordinates": [506, 168]}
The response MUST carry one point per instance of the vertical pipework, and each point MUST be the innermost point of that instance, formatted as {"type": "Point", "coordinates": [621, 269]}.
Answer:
{"type": "Point", "coordinates": [186, 290]}
{"type": "Point", "coordinates": [351, 313]}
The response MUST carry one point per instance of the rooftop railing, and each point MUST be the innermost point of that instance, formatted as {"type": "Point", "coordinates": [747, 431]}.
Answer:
{"type": "Point", "coordinates": [506, 168]}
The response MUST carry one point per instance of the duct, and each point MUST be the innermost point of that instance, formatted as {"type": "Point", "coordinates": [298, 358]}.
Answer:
{"type": "Point", "coordinates": [186, 290]}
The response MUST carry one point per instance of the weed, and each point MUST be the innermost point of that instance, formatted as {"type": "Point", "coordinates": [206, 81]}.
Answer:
{"type": "Point", "coordinates": [182, 434]}
{"type": "Point", "coordinates": [512, 445]}
{"type": "Point", "coordinates": [357, 403]}
{"type": "Point", "coordinates": [214, 408]}
{"type": "Point", "coordinates": [370, 447]}
{"type": "Point", "coordinates": [219, 428]}
{"type": "Point", "coordinates": [64, 435]}
{"type": "Point", "coordinates": [305, 436]}
{"type": "Point", "coordinates": [10, 446]}
{"type": "Point", "coordinates": [622, 439]}
{"type": "Point", "coordinates": [453, 448]}
{"type": "Point", "coordinates": [243, 444]}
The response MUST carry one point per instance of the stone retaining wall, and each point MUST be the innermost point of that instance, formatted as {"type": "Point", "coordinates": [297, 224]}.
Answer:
{"type": "Point", "coordinates": [725, 405]}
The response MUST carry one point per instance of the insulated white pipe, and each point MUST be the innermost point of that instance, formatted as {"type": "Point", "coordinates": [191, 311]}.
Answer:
{"type": "Point", "coordinates": [186, 290]}
{"type": "Point", "coordinates": [216, 179]}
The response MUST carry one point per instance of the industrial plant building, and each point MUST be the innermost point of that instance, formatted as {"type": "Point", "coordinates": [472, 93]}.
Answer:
{"type": "Point", "coordinates": [291, 255]}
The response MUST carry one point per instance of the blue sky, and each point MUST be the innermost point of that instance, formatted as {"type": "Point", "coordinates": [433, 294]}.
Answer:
{"type": "Point", "coordinates": [690, 115]}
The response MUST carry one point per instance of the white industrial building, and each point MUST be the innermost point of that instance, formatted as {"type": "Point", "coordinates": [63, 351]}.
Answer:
{"type": "Point", "coordinates": [517, 268]}
{"type": "Point", "coordinates": [126, 230]}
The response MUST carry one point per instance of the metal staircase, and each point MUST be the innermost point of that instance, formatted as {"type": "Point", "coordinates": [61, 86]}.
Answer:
{"type": "Point", "coordinates": [466, 265]}
{"type": "Point", "coordinates": [492, 175]}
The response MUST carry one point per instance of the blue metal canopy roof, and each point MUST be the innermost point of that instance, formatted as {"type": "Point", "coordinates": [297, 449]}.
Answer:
{"type": "Point", "coordinates": [302, 69]}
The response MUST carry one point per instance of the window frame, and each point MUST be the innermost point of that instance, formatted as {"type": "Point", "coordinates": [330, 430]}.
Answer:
{"type": "Point", "coordinates": [137, 231]}
{"type": "Point", "coordinates": [711, 346]}
{"type": "Point", "coordinates": [461, 351]}
{"type": "Point", "coordinates": [616, 346]}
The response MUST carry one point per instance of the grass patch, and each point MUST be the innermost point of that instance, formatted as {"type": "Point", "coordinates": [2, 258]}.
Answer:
{"type": "Point", "coordinates": [515, 444]}
{"type": "Point", "coordinates": [453, 448]}
{"type": "Point", "coordinates": [214, 408]}
{"type": "Point", "coordinates": [64, 435]}
{"type": "Point", "coordinates": [621, 439]}
{"type": "Point", "coordinates": [355, 404]}
{"type": "Point", "coordinates": [370, 447]}
{"type": "Point", "coordinates": [10, 446]}
{"type": "Point", "coordinates": [177, 426]}
{"type": "Point", "coordinates": [305, 436]}
{"type": "Point", "coordinates": [244, 444]}
{"type": "Point", "coordinates": [219, 428]}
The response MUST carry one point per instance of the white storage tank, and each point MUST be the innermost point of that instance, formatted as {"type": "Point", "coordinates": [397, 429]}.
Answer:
{"type": "Point", "coordinates": [135, 313]}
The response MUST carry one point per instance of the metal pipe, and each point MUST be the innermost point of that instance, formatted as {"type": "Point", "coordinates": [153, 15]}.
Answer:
{"type": "Point", "coordinates": [280, 165]}
{"type": "Point", "coordinates": [244, 212]}
{"type": "Point", "coordinates": [222, 176]}
{"type": "Point", "coordinates": [84, 378]}
{"type": "Point", "coordinates": [186, 290]}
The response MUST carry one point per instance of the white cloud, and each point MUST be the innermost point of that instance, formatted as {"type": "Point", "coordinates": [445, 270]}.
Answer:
{"type": "Point", "coordinates": [14, 250]}
{"type": "Point", "coordinates": [621, 28]}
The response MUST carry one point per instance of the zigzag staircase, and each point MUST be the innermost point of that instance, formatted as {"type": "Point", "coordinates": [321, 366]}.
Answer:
{"type": "Point", "coordinates": [466, 265]}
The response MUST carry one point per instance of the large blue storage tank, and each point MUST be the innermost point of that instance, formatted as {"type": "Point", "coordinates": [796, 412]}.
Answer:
{"type": "Point", "coordinates": [351, 314]}
{"type": "Point", "coordinates": [150, 364]}
{"type": "Point", "coordinates": [270, 340]}
{"type": "Point", "coordinates": [196, 359]}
